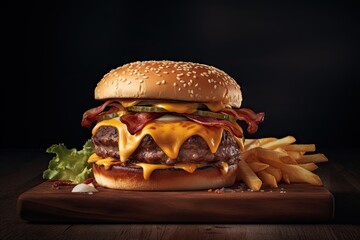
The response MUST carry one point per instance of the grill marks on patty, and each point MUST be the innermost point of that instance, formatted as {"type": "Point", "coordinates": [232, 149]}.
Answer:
{"type": "Point", "coordinates": [194, 149]}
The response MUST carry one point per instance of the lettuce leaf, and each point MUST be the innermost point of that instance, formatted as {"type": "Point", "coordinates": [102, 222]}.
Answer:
{"type": "Point", "coordinates": [69, 164]}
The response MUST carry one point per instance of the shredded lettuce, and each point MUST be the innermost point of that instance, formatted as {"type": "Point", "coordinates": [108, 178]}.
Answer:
{"type": "Point", "coordinates": [69, 164]}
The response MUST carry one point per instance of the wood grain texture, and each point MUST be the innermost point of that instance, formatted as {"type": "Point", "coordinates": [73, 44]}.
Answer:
{"type": "Point", "coordinates": [23, 171]}
{"type": "Point", "coordinates": [288, 204]}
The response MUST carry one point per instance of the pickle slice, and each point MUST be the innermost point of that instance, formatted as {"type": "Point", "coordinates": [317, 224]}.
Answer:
{"type": "Point", "coordinates": [215, 115]}
{"type": "Point", "coordinates": [145, 109]}
{"type": "Point", "coordinates": [198, 112]}
{"type": "Point", "coordinates": [108, 116]}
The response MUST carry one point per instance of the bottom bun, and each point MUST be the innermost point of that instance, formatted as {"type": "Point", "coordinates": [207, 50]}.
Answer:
{"type": "Point", "coordinates": [126, 178]}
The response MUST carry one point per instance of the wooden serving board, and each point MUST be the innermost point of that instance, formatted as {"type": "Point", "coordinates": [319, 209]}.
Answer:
{"type": "Point", "coordinates": [289, 203]}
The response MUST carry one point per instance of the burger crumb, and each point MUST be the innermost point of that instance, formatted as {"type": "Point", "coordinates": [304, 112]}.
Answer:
{"type": "Point", "coordinates": [219, 191]}
{"type": "Point", "coordinates": [210, 190]}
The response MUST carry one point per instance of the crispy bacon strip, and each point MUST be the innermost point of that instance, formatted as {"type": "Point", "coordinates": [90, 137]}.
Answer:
{"type": "Point", "coordinates": [208, 121]}
{"type": "Point", "coordinates": [247, 115]}
{"type": "Point", "coordinates": [136, 121]}
{"type": "Point", "coordinates": [92, 114]}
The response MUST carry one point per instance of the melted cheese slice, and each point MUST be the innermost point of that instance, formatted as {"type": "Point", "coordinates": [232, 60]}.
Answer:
{"type": "Point", "coordinates": [148, 168]}
{"type": "Point", "coordinates": [178, 107]}
{"type": "Point", "coordinates": [189, 107]}
{"type": "Point", "coordinates": [169, 136]}
{"type": "Point", "coordinates": [107, 162]}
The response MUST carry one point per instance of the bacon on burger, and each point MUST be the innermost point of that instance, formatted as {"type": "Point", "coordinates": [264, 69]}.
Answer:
{"type": "Point", "coordinates": [167, 125]}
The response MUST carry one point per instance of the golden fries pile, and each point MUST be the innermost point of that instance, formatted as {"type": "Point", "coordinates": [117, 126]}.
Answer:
{"type": "Point", "coordinates": [268, 161]}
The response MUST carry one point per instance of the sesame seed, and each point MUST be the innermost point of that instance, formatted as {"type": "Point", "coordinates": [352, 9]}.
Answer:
{"type": "Point", "coordinates": [165, 73]}
{"type": "Point", "coordinates": [128, 82]}
{"type": "Point", "coordinates": [175, 84]}
{"type": "Point", "coordinates": [141, 81]}
{"type": "Point", "coordinates": [179, 89]}
{"type": "Point", "coordinates": [163, 81]}
{"type": "Point", "coordinates": [158, 83]}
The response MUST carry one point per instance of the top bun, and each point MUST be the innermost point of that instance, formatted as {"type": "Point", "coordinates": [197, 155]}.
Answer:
{"type": "Point", "coordinates": [170, 80]}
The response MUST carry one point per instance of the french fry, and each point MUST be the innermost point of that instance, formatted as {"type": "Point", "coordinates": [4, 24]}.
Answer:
{"type": "Point", "coordinates": [247, 175]}
{"type": "Point", "coordinates": [288, 160]}
{"type": "Point", "coordinates": [296, 172]}
{"type": "Point", "coordinates": [285, 178]}
{"type": "Point", "coordinates": [269, 154]}
{"type": "Point", "coordinates": [252, 158]}
{"type": "Point", "coordinates": [252, 145]}
{"type": "Point", "coordinates": [300, 147]}
{"type": "Point", "coordinates": [267, 179]}
{"type": "Point", "coordinates": [281, 142]}
{"type": "Point", "coordinates": [257, 166]}
{"type": "Point", "coordinates": [248, 142]}
{"type": "Point", "coordinates": [313, 158]}
{"type": "Point", "coordinates": [299, 174]}
{"type": "Point", "coordinates": [295, 155]}
{"type": "Point", "coordinates": [247, 154]}
{"type": "Point", "coordinates": [309, 166]}
{"type": "Point", "coordinates": [263, 141]}
{"type": "Point", "coordinates": [271, 160]}
{"type": "Point", "coordinates": [280, 150]}
{"type": "Point", "coordinates": [275, 172]}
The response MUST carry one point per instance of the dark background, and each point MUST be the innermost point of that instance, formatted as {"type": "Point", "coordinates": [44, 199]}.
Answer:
{"type": "Point", "coordinates": [298, 62]}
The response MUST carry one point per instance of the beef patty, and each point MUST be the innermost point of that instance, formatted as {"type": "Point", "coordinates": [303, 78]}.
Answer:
{"type": "Point", "coordinates": [194, 149]}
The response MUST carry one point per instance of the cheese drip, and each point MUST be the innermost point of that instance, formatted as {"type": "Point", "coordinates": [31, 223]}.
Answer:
{"type": "Point", "coordinates": [148, 168]}
{"type": "Point", "coordinates": [169, 136]}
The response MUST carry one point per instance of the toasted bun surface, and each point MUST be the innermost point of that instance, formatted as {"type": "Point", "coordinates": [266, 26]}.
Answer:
{"type": "Point", "coordinates": [170, 80]}
{"type": "Point", "coordinates": [163, 180]}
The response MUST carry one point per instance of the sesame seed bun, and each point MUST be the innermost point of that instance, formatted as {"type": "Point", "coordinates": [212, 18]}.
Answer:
{"type": "Point", "coordinates": [126, 178]}
{"type": "Point", "coordinates": [170, 80]}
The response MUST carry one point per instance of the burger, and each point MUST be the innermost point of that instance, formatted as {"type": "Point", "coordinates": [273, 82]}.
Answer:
{"type": "Point", "coordinates": [167, 125]}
